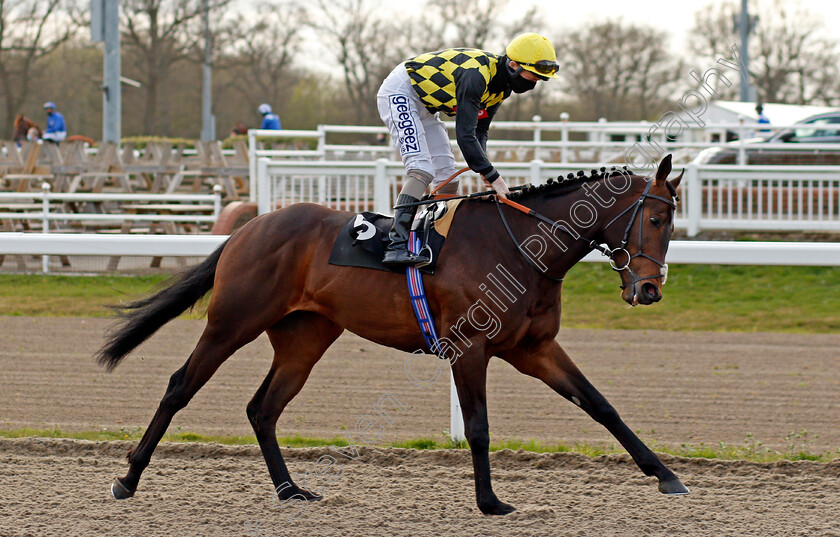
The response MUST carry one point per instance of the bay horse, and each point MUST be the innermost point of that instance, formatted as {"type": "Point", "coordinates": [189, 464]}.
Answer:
{"type": "Point", "coordinates": [25, 129]}
{"type": "Point", "coordinates": [273, 276]}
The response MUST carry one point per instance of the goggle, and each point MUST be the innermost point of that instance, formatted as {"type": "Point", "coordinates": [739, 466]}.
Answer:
{"type": "Point", "coordinates": [545, 67]}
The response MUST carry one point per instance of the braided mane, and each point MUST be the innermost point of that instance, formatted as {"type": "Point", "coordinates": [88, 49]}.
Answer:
{"type": "Point", "coordinates": [563, 185]}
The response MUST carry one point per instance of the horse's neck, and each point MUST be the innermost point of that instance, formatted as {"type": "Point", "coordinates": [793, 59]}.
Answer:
{"type": "Point", "coordinates": [568, 240]}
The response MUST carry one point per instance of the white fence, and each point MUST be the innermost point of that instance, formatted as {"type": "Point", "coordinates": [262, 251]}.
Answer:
{"type": "Point", "coordinates": [53, 207]}
{"type": "Point", "coordinates": [760, 198]}
{"type": "Point", "coordinates": [747, 198]}
{"type": "Point", "coordinates": [616, 142]}
{"type": "Point", "coordinates": [679, 252]}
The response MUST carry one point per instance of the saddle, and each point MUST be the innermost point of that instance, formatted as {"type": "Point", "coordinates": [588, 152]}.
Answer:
{"type": "Point", "coordinates": [363, 240]}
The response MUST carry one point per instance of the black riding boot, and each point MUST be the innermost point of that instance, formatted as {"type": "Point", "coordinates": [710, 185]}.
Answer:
{"type": "Point", "coordinates": [397, 253]}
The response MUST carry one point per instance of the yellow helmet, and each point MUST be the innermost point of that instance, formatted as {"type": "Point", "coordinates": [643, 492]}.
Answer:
{"type": "Point", "coordinates": [534, 53]}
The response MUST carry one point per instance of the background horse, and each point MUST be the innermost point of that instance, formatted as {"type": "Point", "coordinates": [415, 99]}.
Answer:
{"type": "Point", "coordinates": [25, 129]}
{"type": "Point", "coordinates": [81, 138]}
{"type": "Point", "coordinates": [273, 276]}
{"type": "Point", "coordinates": [239, 129]}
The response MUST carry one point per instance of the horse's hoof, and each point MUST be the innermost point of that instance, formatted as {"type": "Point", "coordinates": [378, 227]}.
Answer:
{"type": "Point", "coordinates": [298, 493]}
{"type": "Point", "coordinates": [119, 491]}
{"type": "Point", "coordinates": [497, 508]}
{"type": "Point", "coordinates": [673, 487]}
{"type": "Point", "coordinates": [311, 496]}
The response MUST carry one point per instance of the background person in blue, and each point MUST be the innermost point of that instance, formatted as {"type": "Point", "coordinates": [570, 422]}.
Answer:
{"type": "Point", "coordinates": [759, 110]}
{"type": "Point", "coordinates": [270, 121]}
{"type": "Point", "coordinates": [56, 129]}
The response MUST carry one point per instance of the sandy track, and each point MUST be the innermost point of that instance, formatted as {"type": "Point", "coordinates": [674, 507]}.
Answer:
{"type": "Point", "coordinates": [671, 387]}
{"type": "Point", "coordinates": [56, 488]}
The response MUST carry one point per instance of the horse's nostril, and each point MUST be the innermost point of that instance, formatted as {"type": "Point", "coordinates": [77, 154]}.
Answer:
{"type": "Point", "coordinates": [650, 291]}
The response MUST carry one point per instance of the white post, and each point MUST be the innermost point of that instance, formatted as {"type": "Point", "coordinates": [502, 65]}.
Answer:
{"type": "Point", "coordinates": [264, 201]}
{"type": "Point", "coordinates": [536, 168]}
{"type": "Point", "coordinates": [456, 419]}
{"type": "Point", "coordinates": [45, 228]}
{"type": "Point", "coordinates": [252, 166]}
{"type": "Point", "coordinates": [381, 196]}
{"type": "Point", "coordinates": [742, 150]}
{"type": "Point", "coordinates": [217, 201]}
{"type": "Point", "coordinates": [564, 137]}
{"type": "Point", "coordinates": [322, 142]}
{"type": "Point", "coordinates": [602, 136]}
{"type": "Point", "coordinates": [537, 136]}
{"type": "Point", "coordinates": [694, 191]}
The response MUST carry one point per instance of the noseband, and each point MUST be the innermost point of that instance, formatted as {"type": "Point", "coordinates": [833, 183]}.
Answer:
{"type": "Point", "coordinates": [636, 207]}
{"type": "Point", "coordinates": [637, 210]}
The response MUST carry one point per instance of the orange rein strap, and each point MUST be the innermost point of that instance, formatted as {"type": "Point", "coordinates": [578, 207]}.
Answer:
{"type": "Point", "coordinates": [517, 206]}
{"type": "Point", "coordinates": [451, 177]}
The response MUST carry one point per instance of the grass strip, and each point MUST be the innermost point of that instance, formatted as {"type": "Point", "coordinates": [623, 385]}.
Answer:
{"type": "Point", "coordinates": [710, 298]}
{"type": "Point", "coordinates": [752, 450]}
{"type": "Point", "coordinates": [696, 297]}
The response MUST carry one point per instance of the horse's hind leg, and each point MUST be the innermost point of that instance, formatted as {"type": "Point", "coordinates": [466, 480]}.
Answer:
{"type": "Point", "coordinates": [299, 341]}
{"type": "Point", "coordinates": [552, 365]}
{"type": "Point", "coordinates": [214, 347]}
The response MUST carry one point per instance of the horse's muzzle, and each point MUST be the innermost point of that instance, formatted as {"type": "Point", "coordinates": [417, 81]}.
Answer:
{"type": "Point", "coordinates": [641, 292]}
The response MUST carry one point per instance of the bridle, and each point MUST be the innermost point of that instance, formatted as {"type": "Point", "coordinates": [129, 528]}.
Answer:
{"type": "Point", "coordinates": [610, 253]}
{"type": "Point", "coordinates": [637, 209]}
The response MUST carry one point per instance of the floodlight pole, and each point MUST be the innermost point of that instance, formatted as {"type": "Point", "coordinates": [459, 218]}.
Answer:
{"type": "Point", "coordinates": [111, 90]}
{"type": "Point", "coordinates": [744, 31]}
{"type": "Point", "coordinates": [208, 122]}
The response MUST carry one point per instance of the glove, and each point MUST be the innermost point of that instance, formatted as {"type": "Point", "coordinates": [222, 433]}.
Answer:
{"type": "Point", "coordinates": [500, 187]}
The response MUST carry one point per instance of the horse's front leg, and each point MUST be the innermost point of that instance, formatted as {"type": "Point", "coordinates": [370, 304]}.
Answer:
{"type": "Point", "coordinates": [550, 363]}
{"type": "Point", "coordinates": [470, 372]}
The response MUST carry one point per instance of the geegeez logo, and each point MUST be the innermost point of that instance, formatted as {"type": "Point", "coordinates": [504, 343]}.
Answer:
{"type": "Point", "coordinates": [404, 121]}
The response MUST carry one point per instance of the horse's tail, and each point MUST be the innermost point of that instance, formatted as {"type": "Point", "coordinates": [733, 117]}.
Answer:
{"type": "Point", "coordinates": [142, 318]}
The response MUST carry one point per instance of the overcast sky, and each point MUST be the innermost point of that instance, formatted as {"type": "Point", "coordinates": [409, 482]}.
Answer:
{"type": "Point", "coordinates": [675, 16]}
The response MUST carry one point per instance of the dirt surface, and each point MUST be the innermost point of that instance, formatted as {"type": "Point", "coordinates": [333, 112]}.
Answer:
{"type": "Point", "coordinates": [671, 387]}
{"type": "Point", "coordinates": [57, 488]}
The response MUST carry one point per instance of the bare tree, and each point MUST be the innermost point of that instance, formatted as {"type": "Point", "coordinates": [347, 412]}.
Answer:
{"type": "Point", "coordinates": [792, 58]}
{"type": "Point", "coordinates": [472, 23]}
{"type": "Point", "coordinates": [368, 44]}
{"type": "Point", "coordinates": [479, 24]}
{"type": "Point", "coordinates": [157, 34]}
{"type": "Point", "coordinates": [262, 51]}
{"type": "Point", "coordinates": [617, 70]}
{"type": "Point", "coordinates": [29, 30]}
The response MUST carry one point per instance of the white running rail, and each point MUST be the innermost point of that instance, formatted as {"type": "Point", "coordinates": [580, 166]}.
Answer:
{"type": "Point", "coordinates": [747, 198]}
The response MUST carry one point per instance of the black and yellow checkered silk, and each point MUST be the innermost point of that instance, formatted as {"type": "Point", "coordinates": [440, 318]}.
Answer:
{"type": "Point", "coordinates": [434, 75]}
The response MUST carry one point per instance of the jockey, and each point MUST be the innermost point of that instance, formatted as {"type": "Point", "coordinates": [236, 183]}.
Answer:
{"type": "Point", "coordinates": [761, 117]}
{"type": "Point", "coordinates": [469, 84]}
{"type": "Point", "coordinates": [270, 121]}
{"type": "Point", "coordinates": [56, 129]}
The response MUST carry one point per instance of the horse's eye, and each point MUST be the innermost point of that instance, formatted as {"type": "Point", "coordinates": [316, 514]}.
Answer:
{"type": "Point", "coordinates": [655, 221]}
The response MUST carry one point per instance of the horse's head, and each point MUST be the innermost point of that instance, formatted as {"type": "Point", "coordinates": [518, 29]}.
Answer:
{"type": "Point", "coordinates": [19, 128]}
{"type": "Point", "coordinates": [639, 234]}
{"type": "Point", "coordinates": [25, 129]}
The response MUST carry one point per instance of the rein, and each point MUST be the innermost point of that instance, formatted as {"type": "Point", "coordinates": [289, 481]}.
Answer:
{"type": "Point", "coordinates": [451, 177]}
{"type": "Point", "coordinates": [636, 207]}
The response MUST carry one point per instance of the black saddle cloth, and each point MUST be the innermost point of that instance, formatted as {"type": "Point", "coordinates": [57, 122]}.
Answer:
{"type": "Point", "coordinates": [363, 240]}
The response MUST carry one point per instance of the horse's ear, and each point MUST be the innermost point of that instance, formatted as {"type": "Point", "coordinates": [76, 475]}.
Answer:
{"type": "Point", "coordinates": [676, 182]}
{"type": "Point", "coordinates": [664, 169]}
